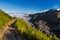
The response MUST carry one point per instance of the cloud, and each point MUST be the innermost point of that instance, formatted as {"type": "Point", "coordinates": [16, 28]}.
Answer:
{"type": "Point", "coordinates": [42, 11]}
{"type": "Point", "coordinates": [56, 7]}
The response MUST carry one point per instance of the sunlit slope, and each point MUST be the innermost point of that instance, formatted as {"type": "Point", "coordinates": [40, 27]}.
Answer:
{"type": "Point", "coordinates": [3, 18]}
{"type": "Point", "coordinates": [27, 32]}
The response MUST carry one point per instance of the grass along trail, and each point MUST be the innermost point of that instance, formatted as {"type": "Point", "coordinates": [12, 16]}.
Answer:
{"type": "Point", "coordinates": [6, 27]}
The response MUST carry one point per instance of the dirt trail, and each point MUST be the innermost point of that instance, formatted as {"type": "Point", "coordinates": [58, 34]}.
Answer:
{"type": "Point", "coordinates": [8, 30]}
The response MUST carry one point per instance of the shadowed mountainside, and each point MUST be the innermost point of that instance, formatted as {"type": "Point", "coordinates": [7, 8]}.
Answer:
{"type": "Point", "coordinates": [48, 22]}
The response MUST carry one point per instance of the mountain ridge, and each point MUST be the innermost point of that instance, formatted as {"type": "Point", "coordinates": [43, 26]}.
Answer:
{"type": "Point", "coordinates": [49, 18]}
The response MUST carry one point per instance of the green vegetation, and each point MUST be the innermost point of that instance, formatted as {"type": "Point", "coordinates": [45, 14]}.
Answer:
{"type": "Point", "coordinates": [27, 32]}
{"type": "Point", "coordinates": [3, 18]}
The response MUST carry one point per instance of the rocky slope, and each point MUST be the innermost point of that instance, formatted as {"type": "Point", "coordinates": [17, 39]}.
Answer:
{"type": "Point", "coordinates": [48, 22]}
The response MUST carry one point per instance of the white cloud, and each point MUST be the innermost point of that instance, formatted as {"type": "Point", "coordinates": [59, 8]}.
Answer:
{"type": "Point", "coordinates": [44, 10]}
{"type": "Point", "coordinates": [55, 7]}
{"type": "Point", "coordinates": [41, 11]}
{"type": "Point", "coordinates": [58, 9]}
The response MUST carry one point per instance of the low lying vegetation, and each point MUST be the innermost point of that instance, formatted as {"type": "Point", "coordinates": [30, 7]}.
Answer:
{"type": "Point", "coordinates": [27, 32]}
{"type": "Point", "coordinates": [3, 18]}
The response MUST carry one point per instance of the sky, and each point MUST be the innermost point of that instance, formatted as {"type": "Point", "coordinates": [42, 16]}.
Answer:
{"type": "Point", "coordinates": [28, 6]}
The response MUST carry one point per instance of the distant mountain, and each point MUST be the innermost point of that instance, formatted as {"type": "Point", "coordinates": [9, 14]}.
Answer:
{"type": "Point", "coordinates": [48, 21]}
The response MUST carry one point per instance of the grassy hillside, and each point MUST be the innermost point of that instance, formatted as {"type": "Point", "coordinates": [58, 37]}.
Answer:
{"type": "Point", "coordinates": [24, 29]}
{"type": "Point", "coordinates": [3, 18]}
{"type": "Point", "coordinates": [27, 32]}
